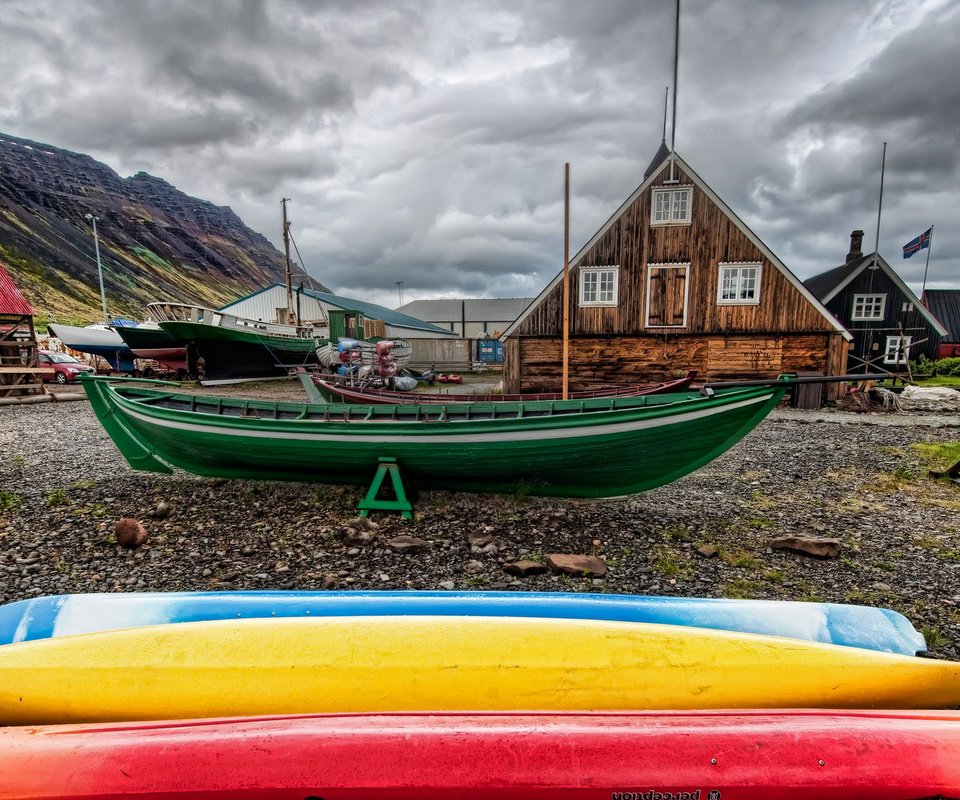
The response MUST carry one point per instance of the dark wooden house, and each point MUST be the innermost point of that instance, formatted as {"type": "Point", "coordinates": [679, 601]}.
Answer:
{"type": "Point", "coordinates": [944, 304]}
{"type": "Point", "coordinates": [673, 281]}
{"type": "Point", "coordinates": [20, 371]}
{"type": "Point", "coordinates": [889, 324]}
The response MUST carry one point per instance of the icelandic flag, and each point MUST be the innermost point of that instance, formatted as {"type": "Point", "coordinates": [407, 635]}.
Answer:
{"type": "Point", "coordinates": [916, 245]}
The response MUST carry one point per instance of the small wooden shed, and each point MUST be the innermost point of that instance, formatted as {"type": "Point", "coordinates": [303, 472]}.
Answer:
{"type": "Point", "coordinates": [20, 371]}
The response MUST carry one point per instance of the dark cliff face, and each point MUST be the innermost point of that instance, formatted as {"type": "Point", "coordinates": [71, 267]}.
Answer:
{"type": "Point", "coordinates": [156, 243]}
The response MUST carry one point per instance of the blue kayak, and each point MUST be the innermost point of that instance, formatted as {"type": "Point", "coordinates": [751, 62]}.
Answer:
{"type": "Point", "coordinates": [829, 623]}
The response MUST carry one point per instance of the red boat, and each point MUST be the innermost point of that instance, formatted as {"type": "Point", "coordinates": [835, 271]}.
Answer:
{"type": "Point", "coordinates": [725, 755]}
{"type": "Point", "coordinates": [341, 393]}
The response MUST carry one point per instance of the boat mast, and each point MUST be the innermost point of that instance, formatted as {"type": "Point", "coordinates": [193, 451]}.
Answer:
{"type": "Point", "coordinates": [566, 280]}
{"type": "Point", "coordinates": [286, 254]}
{"type": "Point", "coordinates": [673, 124]}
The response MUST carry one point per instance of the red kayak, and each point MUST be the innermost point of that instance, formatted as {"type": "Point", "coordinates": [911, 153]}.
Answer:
{"type": "Point", "coordinates": [724, 755]}
{"type": "Point", "coordinates": [365, 395]}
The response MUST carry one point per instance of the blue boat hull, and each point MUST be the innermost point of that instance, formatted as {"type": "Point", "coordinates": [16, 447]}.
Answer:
{"type": "Point", "coordinates": [829, 623]}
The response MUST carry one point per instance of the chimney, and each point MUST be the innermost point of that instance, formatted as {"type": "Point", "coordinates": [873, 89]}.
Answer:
{"type": "Point", "coordinates": [856, 246]}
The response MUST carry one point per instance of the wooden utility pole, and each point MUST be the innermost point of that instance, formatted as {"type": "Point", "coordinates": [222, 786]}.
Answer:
{"type": "Point", "coordinates": [566, 280]}
{"type": "Point", "coordinates": [291, 318]}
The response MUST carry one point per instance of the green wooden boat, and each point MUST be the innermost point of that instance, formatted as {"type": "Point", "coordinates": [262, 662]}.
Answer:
{"type": "Point", "coordinates": [235, 348]}
{"type": "Point", "coordinates": [600, 447]}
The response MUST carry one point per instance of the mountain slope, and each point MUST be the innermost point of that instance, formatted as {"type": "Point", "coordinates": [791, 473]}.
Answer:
{"type": "Point", "coordinates": [156, 243]}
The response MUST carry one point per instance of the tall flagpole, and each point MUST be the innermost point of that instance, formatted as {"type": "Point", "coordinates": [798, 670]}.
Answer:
{"type": "Point", "coordinates": [929, 248]}
{"type": "Point", "coordinates": [566, 280]}
{"type": "Point", "coordinates": [868, 340]}
{"type": "Point", "coordinates": [876, 246]}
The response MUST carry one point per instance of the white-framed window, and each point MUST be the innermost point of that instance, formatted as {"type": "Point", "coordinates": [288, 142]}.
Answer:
{"type": "Point", "coordinates": [671, 206]}
{"type": "Point", "coordinates": [897, 350]}
{"type": "Point", "coordinates": [738, 284]}
{"type": "Point", "coordinates": [868, 306]}
{"type": "Point", "coordinates": [599, 286]}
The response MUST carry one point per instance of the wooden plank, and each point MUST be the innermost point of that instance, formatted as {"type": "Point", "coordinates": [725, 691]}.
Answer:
{"type": "Point", "coordinates": [26, 370]}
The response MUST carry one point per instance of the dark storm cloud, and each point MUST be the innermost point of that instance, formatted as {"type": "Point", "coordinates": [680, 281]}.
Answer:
{"type": "Point", "coordinates": [424, 141]}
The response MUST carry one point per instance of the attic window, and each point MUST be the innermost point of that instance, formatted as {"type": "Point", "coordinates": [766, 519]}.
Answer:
{"type": "Point", "coordinates": [739, 284]}
{"type": "Point", "coordinates": [868, 306]}
{"type": "Point", "coordinates": [599, 286]}
{"type": "Point", "coordinates": [671, 206]}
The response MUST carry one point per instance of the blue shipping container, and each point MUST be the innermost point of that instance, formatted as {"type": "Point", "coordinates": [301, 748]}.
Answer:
{"type": "Point", "coordinates": [490, 351]}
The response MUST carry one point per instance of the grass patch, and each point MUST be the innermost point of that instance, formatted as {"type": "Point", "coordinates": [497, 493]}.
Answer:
{"type": "Point", "coordinates": [740, 558]}
{"type": "Point", "coordinates": [773, 575]}
{"type": "Point", "coordinates": [760, 501]}
{"type": "Point", "coordinates": [927, 541]}
{"type": "Point", "coordinates": [852, 505]}
{"type": "Point", "coordinates": [885, 566]}
{"type": "Point", "coordinates": [939, 380]}
{"type": "Point", "coordinates": [676, 534]}
{"type": "Point", "coordinates": [669, 565]}
{"type": "Point", "coordinates": [84, 485]}
{"type": "Point", "coordinates": [757, 524]}
{"type": "Point", "coordinates": [934, 636]}
{"type": "Point", "coordinates": [55, 497]}
{"type": "Point", "coordinates": [890, 482]}
{"type": "Point", "coordinates": [10, 500]}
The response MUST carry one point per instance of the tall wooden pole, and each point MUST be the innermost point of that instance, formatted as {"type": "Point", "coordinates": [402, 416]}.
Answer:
{"type": "Point", "coordinates": [566, 280]}
{"type": "Point", "coordinates": [676, 67]}
{"type": "Point", "coordinates": [286, 254]}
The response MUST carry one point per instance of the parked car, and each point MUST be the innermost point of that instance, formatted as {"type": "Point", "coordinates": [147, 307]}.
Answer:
{"type": "Point", "coordinates": [65, 368]}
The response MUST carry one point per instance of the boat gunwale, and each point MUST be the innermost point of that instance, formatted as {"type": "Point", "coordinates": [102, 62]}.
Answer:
{"type": "Point", "coordinates": [345, 417]}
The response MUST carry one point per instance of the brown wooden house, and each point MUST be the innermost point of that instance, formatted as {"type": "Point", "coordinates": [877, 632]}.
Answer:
{"type": "Point", "coordinates": [20, 372]}
{"type": "Point", "coordinates": [673, 281]}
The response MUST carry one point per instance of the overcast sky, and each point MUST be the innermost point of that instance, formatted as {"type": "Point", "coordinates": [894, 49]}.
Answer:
{"type": "Point", "coordinates": [424, 141]}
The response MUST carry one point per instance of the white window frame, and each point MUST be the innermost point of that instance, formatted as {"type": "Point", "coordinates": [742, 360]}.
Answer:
{"type": "Point", "coordinates": [740, 269]}
{"type": "Point", "coordinates": [671, 214]}
{"type": "Point", "coordinates": [872, 301]}
{"type": "Point", "coordinates": [613, 291]}
{"type": "Point", "coordinates": [893, 346]}
{"type": "Point", "coordinates": [686, 294]}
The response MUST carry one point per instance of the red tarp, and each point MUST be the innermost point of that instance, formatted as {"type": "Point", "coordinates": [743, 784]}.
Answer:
{"type": "Point", "coordinates": [11, 301]}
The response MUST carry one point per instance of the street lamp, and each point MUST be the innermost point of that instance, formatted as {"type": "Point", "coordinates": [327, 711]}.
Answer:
{"type": "Point", "coordinates": [96, 245]}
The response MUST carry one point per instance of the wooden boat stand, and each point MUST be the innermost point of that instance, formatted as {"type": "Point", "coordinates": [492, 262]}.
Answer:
{"type": "Point", "coordinates": [388, 466]}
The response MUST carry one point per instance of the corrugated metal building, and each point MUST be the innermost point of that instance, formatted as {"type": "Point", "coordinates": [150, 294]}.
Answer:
{"type": "Point", "coordinates": [944, 304]}
{"type": "Point", "coordinates": [11, 301]}
{"type": "Point", "coordinates": [470, 318]}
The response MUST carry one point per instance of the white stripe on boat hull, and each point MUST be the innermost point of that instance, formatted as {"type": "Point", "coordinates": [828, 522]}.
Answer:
{"type": "Point", "coordinates": [537, 434]}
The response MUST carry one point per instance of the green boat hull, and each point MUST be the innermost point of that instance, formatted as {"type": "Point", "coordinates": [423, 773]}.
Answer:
{"type": "Point", "coordinates": [594, 448]}
{"type": "Point", "coordinates": [232, 354]}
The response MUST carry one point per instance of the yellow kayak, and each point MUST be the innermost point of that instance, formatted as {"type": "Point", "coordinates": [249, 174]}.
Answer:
{"type": "Point", "coordinates": [311, 665]}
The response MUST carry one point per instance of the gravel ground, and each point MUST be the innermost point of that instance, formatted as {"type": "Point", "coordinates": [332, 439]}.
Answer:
{"type": "Point", "coordinates": [854, 477]}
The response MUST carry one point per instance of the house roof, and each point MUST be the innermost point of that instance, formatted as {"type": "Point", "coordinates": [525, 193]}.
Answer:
{"type": "Point", "coordinates": [11, 301]}
{"type": "Point", "coordinates": [652, 173]}
{"type": "Point", "coordinates": [471, 309]}
{"type": "Point", "coordinates": [373, 311]}
{"type": "Point", "coordinates": [829, 284]}
{"type": "Point", "coordinates": [944, 304]}
{"type": "Point", "coordinates": [822, 285]}
{"type": "Point", "coordinates": [370, 310]}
